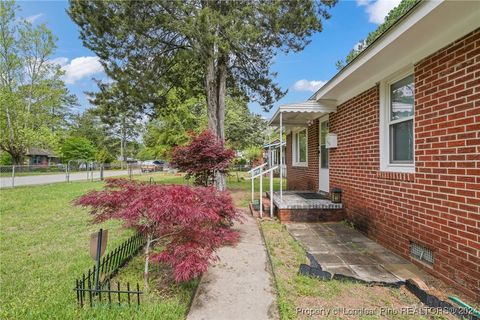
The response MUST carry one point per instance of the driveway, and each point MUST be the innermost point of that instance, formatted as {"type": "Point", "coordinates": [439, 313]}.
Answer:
{"type": "Point", "coordinates": [6, 182]}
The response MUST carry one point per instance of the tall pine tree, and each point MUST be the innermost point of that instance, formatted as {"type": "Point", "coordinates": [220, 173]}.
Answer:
{"type": "Point", "coordinates": [231, 43]}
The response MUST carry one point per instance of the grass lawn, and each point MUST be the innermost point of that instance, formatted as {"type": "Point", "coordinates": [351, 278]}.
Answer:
{"type": "Point", "coordinates": [44, 246]}
{"type": "Point", "coordinates": [298, 291]}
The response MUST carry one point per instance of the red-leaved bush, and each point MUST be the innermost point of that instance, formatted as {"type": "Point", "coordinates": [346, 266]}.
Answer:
{"type": "Point", "coordinates": [188, 223]}
{"type": "Point", "coordinates": [204, 156]}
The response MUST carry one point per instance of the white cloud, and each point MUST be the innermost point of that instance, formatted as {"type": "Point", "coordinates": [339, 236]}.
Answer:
{"type": "Point", "coordinates": [34, 17]}
{"type": "Point", "coordinates": [62, 61]}
{"type": "Point", "coordinates": [78, 68]}
{"type": "Point", "coordinates": [306, 85]}
{"type": "Point", "coordinates": [377, 10]}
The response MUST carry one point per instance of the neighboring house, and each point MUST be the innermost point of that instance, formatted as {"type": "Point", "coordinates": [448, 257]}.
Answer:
{"type": "Point", "coordinates": [44, 157]}
{"type": "Point", "coordinates": [405, 115]}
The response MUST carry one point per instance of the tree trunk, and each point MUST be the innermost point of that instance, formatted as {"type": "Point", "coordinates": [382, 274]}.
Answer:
{"type": "Point", "coordinates": [147, 261]}
{"type": "Point", "coordinates": [17, 159]}
{"type": "Point", "coordinates": [221, 93]}
{"type": "Point", "coordinates": [122, 142]}
{"type": "Point", "coordinates": [220, 181]}
{"type": "Point", "coordinates": [215, 87]}
{"type": "Point", "coordinates": [211, 90]}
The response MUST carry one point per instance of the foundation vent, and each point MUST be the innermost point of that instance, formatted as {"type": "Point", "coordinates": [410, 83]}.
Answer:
{"type": "Point", "coordinates": [421, 253]}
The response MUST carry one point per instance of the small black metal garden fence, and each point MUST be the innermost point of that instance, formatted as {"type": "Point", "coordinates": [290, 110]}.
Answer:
{"type": "Point", "coordinates": [96, 282]}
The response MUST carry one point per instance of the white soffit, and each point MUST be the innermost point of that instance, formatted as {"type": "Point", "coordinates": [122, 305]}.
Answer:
{"type": "Point", "coordinates": [430, 26]}
{"type": "Point", "coordinates": [298, 114]}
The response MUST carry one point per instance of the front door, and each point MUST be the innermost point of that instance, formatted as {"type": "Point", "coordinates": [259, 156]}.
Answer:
{"type": "Point", "coordinates": [323, 165]}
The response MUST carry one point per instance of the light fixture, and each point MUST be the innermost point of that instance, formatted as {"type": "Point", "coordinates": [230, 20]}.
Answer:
{"type": "Point", "coordinates": [336, 195]}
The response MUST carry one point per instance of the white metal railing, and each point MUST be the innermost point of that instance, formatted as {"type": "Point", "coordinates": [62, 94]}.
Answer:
{"type": "Point", "coordinates": [259, 172]}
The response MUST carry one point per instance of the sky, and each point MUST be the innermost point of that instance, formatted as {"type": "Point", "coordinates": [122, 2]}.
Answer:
{"type": "Point", "coordinates": [300, 73]}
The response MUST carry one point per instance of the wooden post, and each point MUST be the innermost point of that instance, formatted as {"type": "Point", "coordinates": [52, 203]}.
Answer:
{"type": "Point", "coordinates": [99, 253]}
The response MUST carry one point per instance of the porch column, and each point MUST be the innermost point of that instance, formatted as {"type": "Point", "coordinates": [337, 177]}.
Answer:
{"type": "Point", "coordinates": [281, 156]}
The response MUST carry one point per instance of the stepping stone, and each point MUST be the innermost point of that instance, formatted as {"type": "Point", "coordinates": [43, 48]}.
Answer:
{"type": "Point", "coordinates": [374, 273]}
{"type": "Point", "coordinates": [327, 259]}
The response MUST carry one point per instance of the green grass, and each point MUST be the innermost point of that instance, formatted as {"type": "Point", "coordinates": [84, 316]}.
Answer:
{"type": "Point", "coordinates": [44, 247]}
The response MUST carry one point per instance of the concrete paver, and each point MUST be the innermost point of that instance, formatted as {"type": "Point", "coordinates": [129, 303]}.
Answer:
{"type": "Point", "coordinates": [342, 250]}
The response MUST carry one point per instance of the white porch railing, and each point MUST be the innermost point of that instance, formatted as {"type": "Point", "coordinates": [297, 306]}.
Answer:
{"type": "Point", "coordinates": [259, 172]}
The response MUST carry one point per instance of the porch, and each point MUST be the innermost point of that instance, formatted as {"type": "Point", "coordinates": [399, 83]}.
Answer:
{"type": "Point", "coordinates": [306, 206]}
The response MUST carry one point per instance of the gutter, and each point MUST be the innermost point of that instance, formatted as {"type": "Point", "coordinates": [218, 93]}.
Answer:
{"type": "Point", "coordinates": [363, 52]}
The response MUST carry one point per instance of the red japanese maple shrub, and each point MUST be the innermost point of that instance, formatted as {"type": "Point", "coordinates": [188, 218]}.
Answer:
{"type": "Point", "coordinates": [204, 156]}
{"type": "Point", "coordinates": [189, 223]}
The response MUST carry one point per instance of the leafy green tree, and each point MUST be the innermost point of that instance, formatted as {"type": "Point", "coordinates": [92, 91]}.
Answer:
{"type": "Point", "coordinates": [147, 153]}
{"type": "Point", "coordinates": [33, 96]}
{"type": "Point", "coordinates": [88, 125]}
{"type": "Point", "coordinates": [77, 149]}
{"type": "Point", "coordinates": [119, 113]}
{"type": "Point", "coordinates": [181, 115]}
{"type": "Point", "coordinates": [103, 156]}
{"type": "Point", "coordinates": [252, 154]}
{"type": "Point", "coordinates": [242, 127]}
{"type": "Point", "coordinates": [230, 44]}
{"type": "Point", "coordinates": [393, 16]}
{"type": "Point", "coordinates": [5, 159]}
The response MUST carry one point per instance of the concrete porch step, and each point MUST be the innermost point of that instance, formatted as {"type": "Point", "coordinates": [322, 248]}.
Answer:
{"type": "Point", "coordinates": [306, 206]}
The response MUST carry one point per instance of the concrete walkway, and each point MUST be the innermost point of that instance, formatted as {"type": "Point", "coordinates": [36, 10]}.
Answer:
{"type": "Point", "coordinates": [240, 285]}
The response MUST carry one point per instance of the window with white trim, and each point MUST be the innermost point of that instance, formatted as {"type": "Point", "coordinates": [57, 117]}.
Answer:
{"type": "Point", "coordinates": [300, 148]}
{"type": "Point", "coordinates": [397, 112]}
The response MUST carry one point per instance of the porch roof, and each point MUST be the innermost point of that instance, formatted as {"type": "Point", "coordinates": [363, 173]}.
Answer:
{"type": "Point", "coordinates": [299, 114]}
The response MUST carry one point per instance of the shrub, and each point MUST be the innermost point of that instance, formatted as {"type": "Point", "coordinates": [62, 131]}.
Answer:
{"type": "Point", "coordinates": [188, 223]}
{"type": "Point", "coordinates": [202, 158]}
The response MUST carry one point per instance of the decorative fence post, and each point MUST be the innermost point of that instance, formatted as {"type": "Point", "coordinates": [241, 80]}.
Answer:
{"type": "Point", "coordinates": [97, 280]}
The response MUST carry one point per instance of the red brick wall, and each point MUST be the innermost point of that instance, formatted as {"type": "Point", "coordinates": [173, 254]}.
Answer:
{"type": "Point", "coordinates": [304, 178]}
{"type": "Point", "coordinates": [439, 205]}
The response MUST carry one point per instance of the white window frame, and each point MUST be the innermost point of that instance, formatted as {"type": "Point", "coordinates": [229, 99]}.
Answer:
{"type": "Point", "coordinates": [385, 161]}
{"type": "Point", "coordinates": [295, 154]}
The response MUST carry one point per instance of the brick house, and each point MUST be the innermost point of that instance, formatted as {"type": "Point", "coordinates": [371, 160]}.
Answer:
{"type": "Point", "coordinates": [398, 130]}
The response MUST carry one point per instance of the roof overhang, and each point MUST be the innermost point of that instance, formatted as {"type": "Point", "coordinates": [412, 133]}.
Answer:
{"type": "Point", "coordinates": [300, 114]}
{"type": "Point", "coordinates": [427, 28]}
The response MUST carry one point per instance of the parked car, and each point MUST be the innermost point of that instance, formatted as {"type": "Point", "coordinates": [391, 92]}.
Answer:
{"type": "Point", "coordinates": [152, 165]}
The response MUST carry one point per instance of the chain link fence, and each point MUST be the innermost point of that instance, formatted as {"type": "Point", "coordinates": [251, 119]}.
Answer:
{"type": "Point", "coordinates": [76, 170]}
